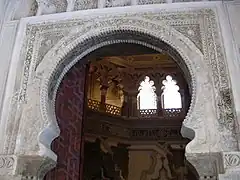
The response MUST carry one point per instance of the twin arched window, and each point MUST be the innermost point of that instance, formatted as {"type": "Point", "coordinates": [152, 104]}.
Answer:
{"type": "Point", "coordinates": [170, 97]}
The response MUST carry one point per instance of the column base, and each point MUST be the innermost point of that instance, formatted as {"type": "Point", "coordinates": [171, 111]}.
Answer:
{"type": "Point", "coordinates": [14, 167]}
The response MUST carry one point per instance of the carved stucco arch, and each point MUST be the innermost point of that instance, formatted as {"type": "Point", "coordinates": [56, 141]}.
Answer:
{"type": "Point", "coordinates": [55, 65]}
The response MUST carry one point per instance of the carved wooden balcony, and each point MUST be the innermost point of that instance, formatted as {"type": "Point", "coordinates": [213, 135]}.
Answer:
{"type": "Point", "coordinates": [174, 113]}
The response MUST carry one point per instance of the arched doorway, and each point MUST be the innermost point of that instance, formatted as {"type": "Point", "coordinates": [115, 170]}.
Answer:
{"type": "Point", "coordinates": [73, 116]}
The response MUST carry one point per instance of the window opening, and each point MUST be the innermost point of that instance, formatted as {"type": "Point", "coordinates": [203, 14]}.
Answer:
{"type": "Point", "coordinates": [171, 98]}
{"type": "Point", "coordinates": [147, 98]}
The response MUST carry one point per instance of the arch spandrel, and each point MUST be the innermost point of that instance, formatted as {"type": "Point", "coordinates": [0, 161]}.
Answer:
{"type": "Point", "coordinates": [54, 65]}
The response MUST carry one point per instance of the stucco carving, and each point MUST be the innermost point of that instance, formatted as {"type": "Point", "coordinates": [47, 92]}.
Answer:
{"type": "Point", "coordinates": [6, 162]}
{"type": "Point", "coordinates": [115, 3]}
{"type": "Point", "coordinates": [207, 69]}
{"type": "Point", "coordinates": [231, 160]}
{"type": "Point", "coordinates": [46, 7]}
{"type": "Point", "coordinates": [85, 4]}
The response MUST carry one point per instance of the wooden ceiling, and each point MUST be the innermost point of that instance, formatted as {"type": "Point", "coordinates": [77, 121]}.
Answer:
{"type": "Point", "coordinates": [142, 61]}
{"type": "Point", "coordinates": [135, 56]}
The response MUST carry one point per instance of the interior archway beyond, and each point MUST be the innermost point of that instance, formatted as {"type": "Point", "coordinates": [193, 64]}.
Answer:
{"type": "Point", "coordinates": [96, 110]}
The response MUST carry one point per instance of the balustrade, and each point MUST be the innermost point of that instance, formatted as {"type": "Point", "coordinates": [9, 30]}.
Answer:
{"type": "Point", "coordinates": [147, 113]}
{"type": "Point", "coordinates": [174, 112]}
{"type": "Point", "coordinates": [142, 113]}
{"type": "Point", "coordinates": [110, 109]}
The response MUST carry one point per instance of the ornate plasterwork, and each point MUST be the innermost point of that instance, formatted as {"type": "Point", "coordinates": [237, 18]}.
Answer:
{"type": "Point", "coordinates": [6, 163]}
{"type": "Point", "coordinates": [231, 160]}
{"type": "Point", "coordinates": [207, 71]}
{"type": "Point", "coordinates": [115, 3]}
{"type": "Point", "coordinates": [85, 4]}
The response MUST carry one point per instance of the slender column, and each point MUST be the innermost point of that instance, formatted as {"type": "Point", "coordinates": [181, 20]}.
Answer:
{"type": "Point", "coordinates": [125, 107]}
{"type": "Point", "coordinates": [159, 92]}
{"type": "Point", "coordinates": [181, 91]}
{"type": "Point", "coordinates": [133, 103]}
{"type": "Point", "coordinates": [103, 90]}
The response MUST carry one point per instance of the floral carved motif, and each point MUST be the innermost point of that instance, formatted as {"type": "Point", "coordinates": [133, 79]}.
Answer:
{"type": "Point", "coordinates": [6, 162]}
{"type": "Point", "coordinates": [232, 159]}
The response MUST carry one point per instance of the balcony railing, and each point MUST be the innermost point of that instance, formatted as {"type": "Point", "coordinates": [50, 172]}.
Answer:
{"type": "Point", "coordinates": [147, 113]}
{"type": "Point", "coordinates": [108, 108]}
{"type": "Point", "coordinates": [142, 113]}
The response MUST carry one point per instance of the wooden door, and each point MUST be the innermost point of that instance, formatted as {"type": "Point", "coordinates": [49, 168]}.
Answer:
{"type": "Point", "coordinates": [70, 110]}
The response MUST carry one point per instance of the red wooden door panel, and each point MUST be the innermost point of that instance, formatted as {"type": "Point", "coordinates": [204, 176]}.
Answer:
{"type": "Point", "coordinates": [69, 112]}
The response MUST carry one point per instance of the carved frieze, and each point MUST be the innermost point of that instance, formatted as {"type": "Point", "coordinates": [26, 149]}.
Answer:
{"type": "Point", "coordinates": [122, 128]}
{"type": "Point", "coordinates": [156, 133]}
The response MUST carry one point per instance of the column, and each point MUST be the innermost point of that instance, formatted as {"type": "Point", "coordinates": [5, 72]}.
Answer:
{"type": "Point", "coordinates": [159, 92]}
{"type": "Point", "coordinates": [125, 107]}
{"type": "Point", "coordinates": [133, 103]}
{"type": "Point", "coordinates": [129, 108]}
{"type": "Point", "coordinates": [103, 90]}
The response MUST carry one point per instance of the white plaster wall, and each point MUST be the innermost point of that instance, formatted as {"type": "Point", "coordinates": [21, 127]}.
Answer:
{"type": "Point", "coordinates": [230, 26]}
{"type": "Point", "coordinates": [7, 41]}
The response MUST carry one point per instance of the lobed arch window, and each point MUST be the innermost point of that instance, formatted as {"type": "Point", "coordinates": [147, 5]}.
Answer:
{"type": "Point", "coordinates": [147, 98]}
{"type": "Point", "coordinates": [171, 98]}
